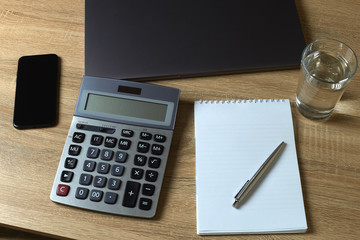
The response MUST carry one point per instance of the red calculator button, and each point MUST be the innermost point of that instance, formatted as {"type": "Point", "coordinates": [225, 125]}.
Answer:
{"type": "Point", "coordinates": [62, 190]}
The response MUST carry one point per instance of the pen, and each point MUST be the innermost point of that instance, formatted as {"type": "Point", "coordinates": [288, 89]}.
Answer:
{"type": "Point", "coordinates": [250, 184]}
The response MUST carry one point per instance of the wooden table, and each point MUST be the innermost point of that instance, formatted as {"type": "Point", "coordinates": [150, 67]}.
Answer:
{"type": "Point", "coordinates": [328, 152]}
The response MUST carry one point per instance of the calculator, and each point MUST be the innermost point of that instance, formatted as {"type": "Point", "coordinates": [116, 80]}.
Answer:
{"type": "Point", "coordinates": [117, 147]}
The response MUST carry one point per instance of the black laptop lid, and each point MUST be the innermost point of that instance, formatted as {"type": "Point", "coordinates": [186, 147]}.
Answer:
{"type": "Point", "coordinates": [127, 39]}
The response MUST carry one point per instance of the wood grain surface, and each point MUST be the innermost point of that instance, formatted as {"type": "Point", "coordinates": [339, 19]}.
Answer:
{"type": "Point", "coordinates": [328, 152]}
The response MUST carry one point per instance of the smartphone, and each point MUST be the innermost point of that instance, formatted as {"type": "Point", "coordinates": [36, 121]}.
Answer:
{"type": "Point", "coordinates": [36, 96]}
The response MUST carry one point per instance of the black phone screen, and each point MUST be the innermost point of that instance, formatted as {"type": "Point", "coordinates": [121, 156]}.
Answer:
{"type": "Point", "coordinates": [36, 96]}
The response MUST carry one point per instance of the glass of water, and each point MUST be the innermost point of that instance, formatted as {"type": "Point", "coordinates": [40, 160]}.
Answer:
{"type": "Point", "coordinates": [326, 69]}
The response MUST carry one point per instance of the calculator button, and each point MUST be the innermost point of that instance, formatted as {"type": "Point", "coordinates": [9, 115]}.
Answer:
{"type": "Point", "coordinates": [145, 136]}
{"type": "Point", "coordinates": [78, 137]}
{"type": "Point", "coordinates": [159, 138]}
{"type": "Point", "coordinates": [131, 194]}
{"type": "Point", "coordinates": [62, 190]}
{"type": "Point", "coordinates": [143, 147]}
{"type": "Point", "coordinates": [151, 176]}
{"type": "Point", "coordinates": [89, 166]}
{"type": "Point", "coordinates": [137, 173]}
{"type": "Point", "coordinates": [85, 179]}
{"type": "Point", "coordinates": [154, 162]}
{"type": "Point", "coordinates": [106, 154]}
{"type": "Point", "coordinates": [127, 133]}
{"type": "Point", "coordinates": [124, 144]}
{"type": "Point", "coordinates": [70, 163]}
{"type": "Point", "coordinates": [110, 198]}
{"type": "Point", "coordinates": [148, 189]}
{"type": "Point", "coordinates": [114, 183]}
{"type": "Point", "coordinates": [110, 142]}
{"type": "Point", "coordinates": [140, 160]}
{"type": "Point", "coordinates": [96, 140]}
{"type": "Point", "coordinates": [74, 150]}
{"type": "Point", "coordinates": [117, 170]}
{"type": "Point", "coordinates": [81, 193]}
{"type": "Point", "coordinates": [145, 204]}
{"type": "Point", "coordinates": [92, 152]}
{"type": "Point", "coordinates": [157, 149]}
{"type": "Point", "coordinates": [66, 176]}
{"type": "Point", "coordinates": [120, 157]}
{"type": "Point", "coordinates": [100, 181]}
{"type": "Point", "coordinates": [96, 195]}
{"type": "Point", "coordinates": [103, 168]}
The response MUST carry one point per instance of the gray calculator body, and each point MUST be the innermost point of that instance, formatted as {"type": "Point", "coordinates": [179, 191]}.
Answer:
{"type": "Point", "coordinates": [116, 151]}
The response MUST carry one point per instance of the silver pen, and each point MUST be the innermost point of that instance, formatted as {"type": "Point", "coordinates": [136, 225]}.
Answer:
{"type": "Point", "coordinates": [250, 184]}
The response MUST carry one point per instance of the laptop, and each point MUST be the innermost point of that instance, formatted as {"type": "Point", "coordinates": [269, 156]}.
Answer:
{"type": "Point", "coordinates": [162, 39]}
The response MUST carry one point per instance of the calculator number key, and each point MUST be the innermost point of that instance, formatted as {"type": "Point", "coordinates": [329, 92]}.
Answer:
{"type": "Point", "coordinates": [117, 170]}
{"type": "Point", "coordinates": [106, 155]}
{"type": "Point", "coordinates": [81, 193]}
{"type": "Point", "coordinates": [89, 166]}
{"type": "Point", "coordinates": [99, 181]}
{"type": "Point", "coordinates": [85, 179]}
{"type": "Point", "coordinates": [93, 152]}
{"type": "Point", "coordinates": [103, 168]}
{"type": "Point", "coordinates": [96, 195]}
{"type": "Point", "coordinates": [114, 184]}
{"type": "Point", "coordinates": [120, 157]}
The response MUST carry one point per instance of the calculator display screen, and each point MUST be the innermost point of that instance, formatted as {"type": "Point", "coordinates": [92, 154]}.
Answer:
{"type": "Point", "coordinates": [126, 107]}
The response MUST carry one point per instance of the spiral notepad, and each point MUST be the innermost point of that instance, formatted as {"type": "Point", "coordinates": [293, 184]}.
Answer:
{"type": "Point", "coordinates": [232, 139]}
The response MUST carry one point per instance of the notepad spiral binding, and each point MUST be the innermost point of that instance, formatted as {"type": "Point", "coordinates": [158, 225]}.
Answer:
{"type": "Point", "coordinates": [240, 101]}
